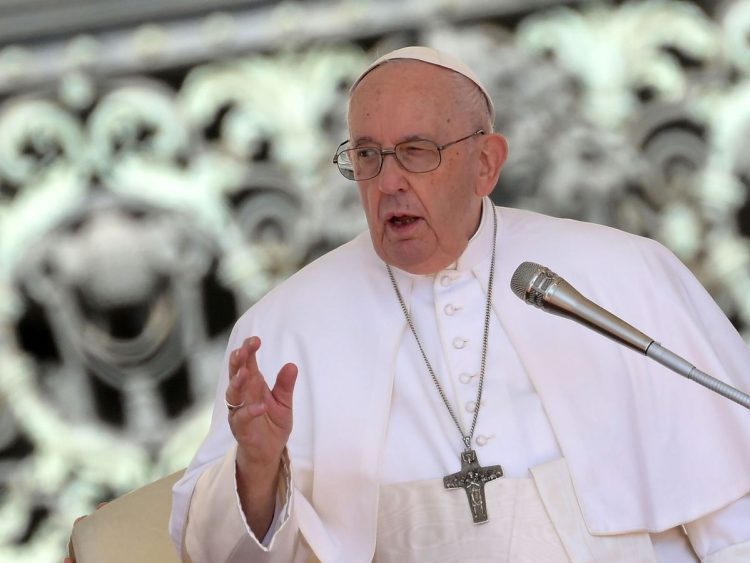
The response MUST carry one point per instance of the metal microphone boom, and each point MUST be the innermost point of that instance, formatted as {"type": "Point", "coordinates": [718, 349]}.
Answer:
{"type": "Point", "coordinates": [541, 287]}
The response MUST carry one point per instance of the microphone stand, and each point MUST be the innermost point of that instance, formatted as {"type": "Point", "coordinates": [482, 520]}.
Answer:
{"type": "Point", "coordinates": [657, 352]}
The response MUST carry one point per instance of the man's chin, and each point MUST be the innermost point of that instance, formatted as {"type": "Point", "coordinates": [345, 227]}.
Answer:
{"type": "Point", "coordinates": [413, 260]}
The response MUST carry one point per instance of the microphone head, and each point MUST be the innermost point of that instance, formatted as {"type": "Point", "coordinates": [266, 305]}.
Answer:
{"type": "Point", "coordinates": [533, 283]}
{"type": "Point", "coordinates": [543, 288]}
{"type": "Point", "coordinates": [523, 277]}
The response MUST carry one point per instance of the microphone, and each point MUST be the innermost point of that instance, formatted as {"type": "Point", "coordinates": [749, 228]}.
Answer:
{"type": "Point", "coordinates": [543, 288]}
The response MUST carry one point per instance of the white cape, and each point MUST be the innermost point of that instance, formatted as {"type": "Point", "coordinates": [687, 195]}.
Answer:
{"type": "Point", "coordinates": [647, 449]}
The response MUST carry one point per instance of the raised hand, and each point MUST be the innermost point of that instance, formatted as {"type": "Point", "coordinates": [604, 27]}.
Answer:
{"type": "Point", "coordinates": [261, 420]}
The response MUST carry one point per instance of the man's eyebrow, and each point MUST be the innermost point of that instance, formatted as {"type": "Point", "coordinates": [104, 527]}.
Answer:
{"type": "Point", "coordinates": [361, 140]}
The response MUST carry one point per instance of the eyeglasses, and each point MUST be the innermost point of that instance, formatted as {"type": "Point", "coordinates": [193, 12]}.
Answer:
{"type": "Point", "coordinates": [364, 163]}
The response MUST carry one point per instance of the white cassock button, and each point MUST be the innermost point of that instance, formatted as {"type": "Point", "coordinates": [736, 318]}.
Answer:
{"type": "Point", "coordinates": [450, 309]}
{"type": "Point", "coordinates": [466, 377]}
{"type": "Point", "coordinates": [482, 440]}
{"type": "Point", "coordinates": [446, 280]}
{"type": "Point", "coordinates": [459, 342]}
{"type": "Point", "coordinates": [471, 406]}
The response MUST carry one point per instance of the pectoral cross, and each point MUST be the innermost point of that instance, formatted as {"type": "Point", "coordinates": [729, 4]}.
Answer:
{"type": "Point", "coordinates": [472, 478]}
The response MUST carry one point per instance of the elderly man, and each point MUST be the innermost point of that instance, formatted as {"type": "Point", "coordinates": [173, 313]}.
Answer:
{"type": "Point", "coordinates": [436, 417]}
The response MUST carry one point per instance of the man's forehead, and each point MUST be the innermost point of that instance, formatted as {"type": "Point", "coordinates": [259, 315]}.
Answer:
{"type": "Point", "coordinates": [433, 57]}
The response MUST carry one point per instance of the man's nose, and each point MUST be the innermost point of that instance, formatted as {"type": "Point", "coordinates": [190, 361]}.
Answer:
{"type": "Point", "coordinates": [392, 175]}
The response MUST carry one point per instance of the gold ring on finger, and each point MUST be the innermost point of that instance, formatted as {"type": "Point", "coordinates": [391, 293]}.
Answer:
{"type": "Point", "coordinates": [232, 407]}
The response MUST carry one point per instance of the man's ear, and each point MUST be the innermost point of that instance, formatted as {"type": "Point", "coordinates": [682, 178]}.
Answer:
{"type": "Point", "coordinates": [491, 159]}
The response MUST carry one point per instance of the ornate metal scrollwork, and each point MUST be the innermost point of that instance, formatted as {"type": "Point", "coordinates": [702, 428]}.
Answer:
{"type": "Point", "coordinates": [143, 207]}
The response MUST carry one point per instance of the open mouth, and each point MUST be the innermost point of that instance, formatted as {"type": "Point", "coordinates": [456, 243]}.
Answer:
{"type": "Point", "coordinates": [402, 220]}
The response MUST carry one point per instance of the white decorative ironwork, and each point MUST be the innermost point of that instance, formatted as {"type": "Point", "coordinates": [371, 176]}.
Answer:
{"type": "Point", "coordinates": [157, 180]}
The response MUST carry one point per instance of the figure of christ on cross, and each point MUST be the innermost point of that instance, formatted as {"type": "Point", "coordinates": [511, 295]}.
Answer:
{"type": "Point", "coordinates": [472, 478]}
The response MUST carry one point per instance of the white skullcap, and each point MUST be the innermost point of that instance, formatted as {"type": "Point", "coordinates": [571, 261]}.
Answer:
{"type": "Point", "coordinates": [433, 57]}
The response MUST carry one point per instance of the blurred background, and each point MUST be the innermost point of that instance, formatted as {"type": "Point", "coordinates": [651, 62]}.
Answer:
{"type": "Point", "coordinates": [163, 163]}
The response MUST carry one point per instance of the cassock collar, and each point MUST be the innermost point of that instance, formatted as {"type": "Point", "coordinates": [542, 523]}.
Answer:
{"type": "Point", "coordinates": [479, 248]}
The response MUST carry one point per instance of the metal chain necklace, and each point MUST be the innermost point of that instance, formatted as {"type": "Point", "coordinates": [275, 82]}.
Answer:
{"type": "Point", "coordinates": [472, 476]}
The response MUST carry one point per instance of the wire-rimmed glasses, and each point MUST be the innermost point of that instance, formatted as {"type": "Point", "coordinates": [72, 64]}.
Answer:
{"type": "Point", "coordinates": [418, 155]}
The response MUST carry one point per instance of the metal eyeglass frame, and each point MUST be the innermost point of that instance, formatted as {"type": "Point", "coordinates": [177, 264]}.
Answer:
{"type": "Point", "coordinates": [385, 152]}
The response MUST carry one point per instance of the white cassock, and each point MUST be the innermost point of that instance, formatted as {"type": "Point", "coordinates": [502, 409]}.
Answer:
{"type": "Point", "coordinates": [606, 453]}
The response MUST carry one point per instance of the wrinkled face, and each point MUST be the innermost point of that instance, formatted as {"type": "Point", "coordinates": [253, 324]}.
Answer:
{"type": "Point", "coordinates": [419, 222]}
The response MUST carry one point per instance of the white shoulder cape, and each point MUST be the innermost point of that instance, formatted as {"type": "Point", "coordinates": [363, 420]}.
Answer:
{"type": "Point", "coordinates": [647, 449]}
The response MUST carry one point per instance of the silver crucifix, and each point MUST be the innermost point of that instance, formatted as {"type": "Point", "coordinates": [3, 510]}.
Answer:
{"type": "Point", "coordinates": [472, 478]}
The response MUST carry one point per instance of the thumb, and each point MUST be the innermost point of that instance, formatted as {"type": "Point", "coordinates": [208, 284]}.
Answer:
{"type": "Point", "coordinates": [284, 386]}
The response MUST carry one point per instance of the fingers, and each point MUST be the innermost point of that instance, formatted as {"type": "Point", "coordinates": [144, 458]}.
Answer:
{"type": "Point", "coordinates": [248, 387]}
{"type": "Point", "coordinates": [244, 391]}
{"type": "Point", "coordinates": [263, 424]}
{"type": "Point", "coordinates": [244, 356]}
{"type": "Point", "coordinates": [238, 365]}
{"type": "Point", "coordinates": [284, 387]}
{"type": "Point", "coordinates": [251, 346]}
{"type": "Point", "coordinates": [256, 391]}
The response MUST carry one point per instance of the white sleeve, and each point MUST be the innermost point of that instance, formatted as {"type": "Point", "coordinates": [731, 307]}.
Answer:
{"type": "Point", "coordinates": [217, 530]}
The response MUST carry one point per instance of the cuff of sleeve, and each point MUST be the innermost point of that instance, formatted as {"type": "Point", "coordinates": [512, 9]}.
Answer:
{"type": "Point", "coordinates": [214, 533]}
{"type": "Point", "coordinates": [283, 503]}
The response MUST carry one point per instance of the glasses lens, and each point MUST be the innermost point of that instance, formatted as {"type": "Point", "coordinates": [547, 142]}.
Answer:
{"type": "Point", "coordinates": [345, 166]}
{"type": "Point", "coordinates": [344, 163]}
{"type": "Point", "coordinates": [418, 156]}
{"type": "Point", "coordinates": [361, 163]}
